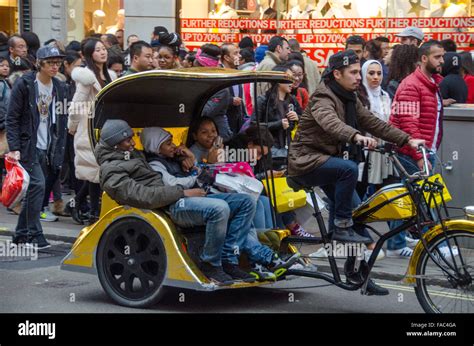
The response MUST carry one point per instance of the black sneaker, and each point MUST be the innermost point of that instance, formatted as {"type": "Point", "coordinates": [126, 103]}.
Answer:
{"type": "Point", "coordinates": [75, 212]}
{"type": "Point", "coordinates": [236, 273]}
{"type": "Point", "coordinates": [348, 235]}
{"type": "Point", "coordinates": [39, 242]}
{"type": "Point", "coordinates": [19, 240]}
{"type": "Point", "coordinates": [216, 274]}
{"type": "Point", "coordinates": [375, 290]}
{"type": "Point", "coordinates": [280, 265]}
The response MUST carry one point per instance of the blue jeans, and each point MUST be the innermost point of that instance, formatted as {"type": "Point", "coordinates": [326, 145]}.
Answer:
{"type": "Point", "coordinates": [29, 224]}
{"type": "Point", "coordinates": [263, 214]}
{"type": "Point", "coordinates": [398, 241]}
{"type": "Point", "coordinates": [338, 179]}
{"type": "Point", "coordinates": [257, 252]}
{"type": "Point", "coordinates": [286, 218]}
{"type": "Point", "coordinates": [227, 217]}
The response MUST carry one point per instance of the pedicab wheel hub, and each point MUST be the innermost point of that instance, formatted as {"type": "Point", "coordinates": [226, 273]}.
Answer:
{"type": "Point", "coordinates": [131, 262]}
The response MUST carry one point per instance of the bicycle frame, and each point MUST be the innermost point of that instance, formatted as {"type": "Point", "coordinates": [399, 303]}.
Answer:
{"type": "Point", "coordinates": [422, 219]}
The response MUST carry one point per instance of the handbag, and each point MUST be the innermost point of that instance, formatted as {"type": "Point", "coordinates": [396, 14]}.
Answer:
{"type": "Point", "coordinates": [286, 198]}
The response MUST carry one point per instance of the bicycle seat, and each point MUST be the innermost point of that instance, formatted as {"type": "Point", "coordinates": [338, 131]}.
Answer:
{"type": "Point", "coordinates": [296, 186]}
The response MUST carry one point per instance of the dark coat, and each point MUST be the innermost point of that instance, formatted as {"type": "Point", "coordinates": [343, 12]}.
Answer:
{"type": "Point", "coordinates": [453, 85]}
{"type": "Point", "coordinates": [23, 121]}
{"type": "Point", "coordinates": [392, 88]}
{"type": "Point", "coordinates": [236, 114]}
{"type": "Point", "coordinates": [216, 108]}
{"type": "Point", "coordinates": [5, 92]}
{"type": "Point", "coordinates": [132, 181]}
{"type": "Point", "coordinates": [274, 119]}
{"type": "Point", "coordinates": [323, 132]}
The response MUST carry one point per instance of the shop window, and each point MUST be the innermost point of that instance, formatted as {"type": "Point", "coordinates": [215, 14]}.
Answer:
{"type": "Point", "coordinates": [9, 16]}
{"type": "Point", "coordinates": [87, 17]}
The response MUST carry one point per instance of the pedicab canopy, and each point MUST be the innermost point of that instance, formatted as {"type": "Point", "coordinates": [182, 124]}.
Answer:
{"type": "Point", "coordinates": [168, 98]}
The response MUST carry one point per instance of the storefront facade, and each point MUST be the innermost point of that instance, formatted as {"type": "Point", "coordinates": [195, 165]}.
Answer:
{"type": "Point", "coordinates": [321, 26]}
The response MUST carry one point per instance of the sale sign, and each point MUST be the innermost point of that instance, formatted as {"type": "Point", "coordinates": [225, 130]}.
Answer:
{"type": "Point", "coordinates": [321, 38]}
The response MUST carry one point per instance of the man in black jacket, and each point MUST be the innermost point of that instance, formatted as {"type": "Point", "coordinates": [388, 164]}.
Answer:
{"type": "Point", "coordinates": [36, 132]}
{"type": "Point", "coordinates": [453, 85]}
{"type": "Point", "coordinates": [236, 111]}
{"type": "Point", "coordinates": [17, 54]}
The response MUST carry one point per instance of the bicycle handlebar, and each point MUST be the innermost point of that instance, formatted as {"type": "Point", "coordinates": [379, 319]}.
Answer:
{"type": "Point", "coordinates": [390, 149]}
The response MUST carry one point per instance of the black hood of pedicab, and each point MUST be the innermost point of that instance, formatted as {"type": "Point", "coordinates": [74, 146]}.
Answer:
{"type": "Point", "coordinates": [168, 98]}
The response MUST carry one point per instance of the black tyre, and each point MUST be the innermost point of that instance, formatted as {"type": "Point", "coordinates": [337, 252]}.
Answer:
{"type": "Point", "coordinates": [437, 291]}
{"type": "Point", "coordinates": [131, 263]}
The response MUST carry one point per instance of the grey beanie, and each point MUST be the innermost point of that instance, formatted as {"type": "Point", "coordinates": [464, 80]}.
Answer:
{"type": "Point", "coordinates": [115, 131]}
{"type": "Point", "coordinates": [152, 138]}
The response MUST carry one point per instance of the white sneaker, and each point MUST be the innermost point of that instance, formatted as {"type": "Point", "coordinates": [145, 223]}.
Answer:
{"type": "Point", "coordinates": [406, 252]}
{"type": "Point", "coordinates": [48, 216]}
{"type": "Point", "coordinates": [368, 253]}
{"type": "Point", "coordinates": [320, 253]}
{"type": "Point", "coordinates": [308, 267]}
{"type": "Point", "coordinates": [446, 253]}
{"type": "Point", "coordinates": [411, 242]}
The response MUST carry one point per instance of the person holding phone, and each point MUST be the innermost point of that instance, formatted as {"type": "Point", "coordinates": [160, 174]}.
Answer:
{"type": "Point", "coordinates": [280, 111]}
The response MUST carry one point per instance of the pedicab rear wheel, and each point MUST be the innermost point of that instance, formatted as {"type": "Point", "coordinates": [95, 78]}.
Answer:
{"type": "Point", "coordinates": [131, 263]}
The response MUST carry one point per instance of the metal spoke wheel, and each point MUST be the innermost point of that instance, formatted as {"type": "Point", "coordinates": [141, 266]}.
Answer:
{"type": "Point", "coordinates": [131, 263]}
{"type": "Point", "coordinates": [449, 288]}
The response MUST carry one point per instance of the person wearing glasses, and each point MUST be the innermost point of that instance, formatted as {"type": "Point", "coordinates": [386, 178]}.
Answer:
{"type": "Point", "coordinates": [36, 135]}
{"type": "Point", "coordinates": [297, 89]}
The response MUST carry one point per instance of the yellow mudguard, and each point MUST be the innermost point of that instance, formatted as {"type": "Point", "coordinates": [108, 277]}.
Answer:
{"type": "Point", "coordinates": [451, 225]}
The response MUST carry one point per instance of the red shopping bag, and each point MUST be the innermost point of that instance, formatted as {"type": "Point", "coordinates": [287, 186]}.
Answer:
{"type": "Point", "coordinates": [15, 184]}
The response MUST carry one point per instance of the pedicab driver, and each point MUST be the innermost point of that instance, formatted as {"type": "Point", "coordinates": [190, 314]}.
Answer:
{"type": "Point", "coordinates": [324, 151]}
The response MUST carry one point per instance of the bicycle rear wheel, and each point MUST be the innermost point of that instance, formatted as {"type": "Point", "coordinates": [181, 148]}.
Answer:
{"type": "Point", "coordinates": [436, 291]}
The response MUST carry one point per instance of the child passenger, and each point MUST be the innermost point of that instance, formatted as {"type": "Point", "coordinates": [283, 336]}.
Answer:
{"type": "Point", "coordinates": [165, 157]}
{"type": "Point", "coordinates": [128, 178]}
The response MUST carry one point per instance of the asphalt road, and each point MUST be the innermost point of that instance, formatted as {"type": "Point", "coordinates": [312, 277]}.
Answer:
{"type": "Point", "coordinates": [40, 286]}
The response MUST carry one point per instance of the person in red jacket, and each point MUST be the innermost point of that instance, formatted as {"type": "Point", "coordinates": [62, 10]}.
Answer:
{"type": "Point", "coordinates": [418, 106]}
{"type": "Point", "coordinates": [417, 109]}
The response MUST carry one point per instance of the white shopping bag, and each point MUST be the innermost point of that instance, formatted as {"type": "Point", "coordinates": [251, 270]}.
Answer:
{"type": "Point", "coordinates": [239, 183]}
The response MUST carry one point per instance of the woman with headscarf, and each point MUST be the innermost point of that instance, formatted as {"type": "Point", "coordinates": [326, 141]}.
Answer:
{"type": "Point", "coordinates": [379, 166]}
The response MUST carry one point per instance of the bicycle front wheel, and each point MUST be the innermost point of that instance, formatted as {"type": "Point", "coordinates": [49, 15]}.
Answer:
{"type": "Point", "coordinates": [444, 285]}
